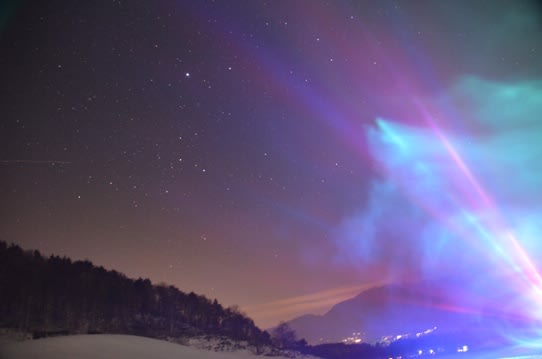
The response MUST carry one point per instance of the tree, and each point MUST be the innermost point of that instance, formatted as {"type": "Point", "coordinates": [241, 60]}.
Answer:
{"type": "Point", "coordinates": [283, 336]}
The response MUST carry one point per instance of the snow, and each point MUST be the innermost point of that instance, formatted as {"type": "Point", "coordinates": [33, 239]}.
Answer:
{"type": "Point", "coordinates": [110, 347]}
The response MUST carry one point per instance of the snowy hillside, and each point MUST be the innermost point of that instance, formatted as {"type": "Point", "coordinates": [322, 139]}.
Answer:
{"type": "Point", "coordinates": [109, 347]}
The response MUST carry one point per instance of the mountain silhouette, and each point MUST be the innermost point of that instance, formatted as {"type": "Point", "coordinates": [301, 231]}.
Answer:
{"type": "Point", "coordinates": [397, 309]}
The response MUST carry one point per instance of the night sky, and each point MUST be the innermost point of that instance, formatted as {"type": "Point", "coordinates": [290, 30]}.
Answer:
{"type": "Point", "coordinates": [276, 155]}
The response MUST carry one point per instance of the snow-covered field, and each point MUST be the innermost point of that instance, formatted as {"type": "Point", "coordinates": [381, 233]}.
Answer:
{"type": "Point", "coordinates": [109, 347]}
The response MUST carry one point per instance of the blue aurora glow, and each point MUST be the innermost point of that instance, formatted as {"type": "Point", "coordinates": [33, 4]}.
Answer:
{"type": "Point", "coordinates": [458, 196]}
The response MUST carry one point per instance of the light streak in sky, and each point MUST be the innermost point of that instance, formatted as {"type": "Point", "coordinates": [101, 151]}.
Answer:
{"type": "Point", "coordinates": [36, 162]}
{"type": "Point", "coordinates": [318, 302]}
{"type": "Point", "coordinates": [515, 255]}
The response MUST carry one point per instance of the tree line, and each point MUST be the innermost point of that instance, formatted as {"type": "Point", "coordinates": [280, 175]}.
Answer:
{"type": "Point", "coordinates": [56, 295]}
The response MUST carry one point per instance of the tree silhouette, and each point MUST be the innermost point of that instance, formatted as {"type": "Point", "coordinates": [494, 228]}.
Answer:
{"type": "Point", "coordinates": [283, 336]}
{"type": "Point", "coordinates": [54, 295]}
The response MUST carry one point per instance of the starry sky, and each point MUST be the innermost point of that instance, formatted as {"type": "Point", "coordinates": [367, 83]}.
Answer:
{"type": "Point", "coordinates": [276, 155]}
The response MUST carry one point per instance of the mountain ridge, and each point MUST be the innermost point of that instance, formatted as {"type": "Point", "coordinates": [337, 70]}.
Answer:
{"type": "Point", "coordinates": [392, 309]}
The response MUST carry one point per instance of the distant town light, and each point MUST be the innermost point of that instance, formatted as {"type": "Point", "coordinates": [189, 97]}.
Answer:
{"type": "Point", "coordinates": [463, 349]}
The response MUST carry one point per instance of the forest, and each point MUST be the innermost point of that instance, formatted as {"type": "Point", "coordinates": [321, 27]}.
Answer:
{"type": "Point", "coordinates": [54, 295]}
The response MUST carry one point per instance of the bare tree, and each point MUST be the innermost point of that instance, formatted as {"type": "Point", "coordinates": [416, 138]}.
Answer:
{"type": "Point", "coordinates": [283, 336]}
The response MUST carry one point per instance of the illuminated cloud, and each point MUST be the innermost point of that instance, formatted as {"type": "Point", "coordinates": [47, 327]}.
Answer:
{"type": "Point", "coordinates": [456, 202]}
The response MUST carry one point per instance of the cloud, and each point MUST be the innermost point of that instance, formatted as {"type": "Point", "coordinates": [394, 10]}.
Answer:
{"type": "Point", "coordinates": [507, 153]}
{"type": "Point", "coordinates": [497, 105]}
{"type": "Point", "coordinates": [462, 200]}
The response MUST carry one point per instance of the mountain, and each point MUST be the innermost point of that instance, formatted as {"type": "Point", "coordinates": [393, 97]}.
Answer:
{"type": "Point", "coordinates": [393, 310]}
